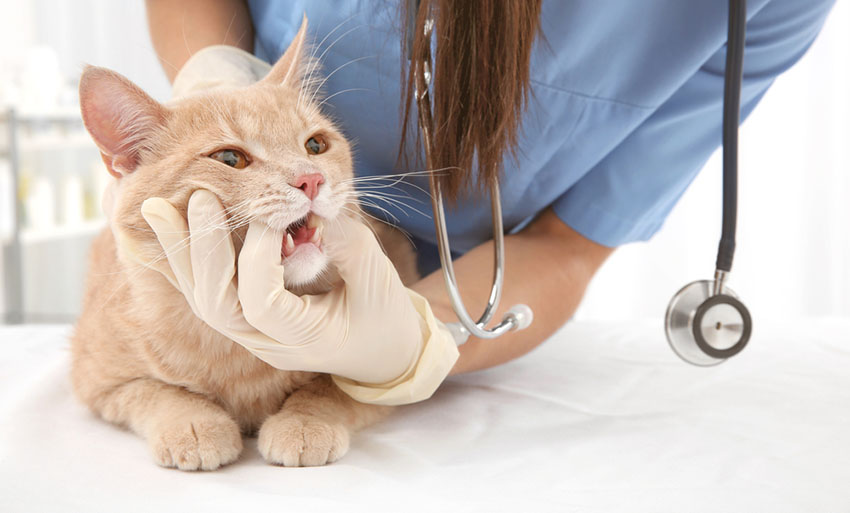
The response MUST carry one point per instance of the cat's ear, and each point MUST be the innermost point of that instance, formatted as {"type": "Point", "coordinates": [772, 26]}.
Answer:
{"type": "Point", "coordinates": [292, 65]}
{"type": "Point", "coordinates": [119, 116]}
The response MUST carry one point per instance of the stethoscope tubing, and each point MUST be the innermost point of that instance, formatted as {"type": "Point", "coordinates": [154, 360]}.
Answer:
{"type": "Point", "coordinates": [733, 77]}
{"type": "Point", "coordinates": [422, 77]}
{"type": "Point", "coordinates": [520, 316]}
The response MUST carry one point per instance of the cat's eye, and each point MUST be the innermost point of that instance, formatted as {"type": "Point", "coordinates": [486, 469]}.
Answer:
{"type": "Point", "coordinates": [233, 158]}
{"type": "Point", "coordinates": [316, 144]}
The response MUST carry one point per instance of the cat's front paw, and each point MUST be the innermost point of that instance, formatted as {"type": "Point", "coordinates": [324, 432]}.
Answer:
{"type": "Point", "coordinates": [299, 440]}
{"type": "Point", "coordinates": [199, 443]}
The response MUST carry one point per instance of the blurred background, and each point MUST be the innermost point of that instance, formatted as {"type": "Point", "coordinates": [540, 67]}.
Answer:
{"type": "Point", "coordinates": [793, 257]}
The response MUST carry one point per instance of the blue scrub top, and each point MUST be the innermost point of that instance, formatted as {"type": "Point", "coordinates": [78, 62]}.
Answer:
{"type": "Point", "coordinates": [625, 107]}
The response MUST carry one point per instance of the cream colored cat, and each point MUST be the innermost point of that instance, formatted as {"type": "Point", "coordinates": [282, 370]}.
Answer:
{"type": "Point", "coordinates": [141, 359]}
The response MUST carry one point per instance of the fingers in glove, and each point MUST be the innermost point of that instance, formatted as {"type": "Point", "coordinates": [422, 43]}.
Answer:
{"type": "Point", "coordinates": [266, 304]}
{"type": "Point", "coordinates": [360, 259]}
{"type": "Point", "coordinates": [172, 231]}
{"type": "Point", "coordinates": [213, 258]}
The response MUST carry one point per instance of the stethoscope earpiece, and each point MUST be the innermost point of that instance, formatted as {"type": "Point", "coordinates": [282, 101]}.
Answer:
{"type": "Point", "coordinates": [705, 328]}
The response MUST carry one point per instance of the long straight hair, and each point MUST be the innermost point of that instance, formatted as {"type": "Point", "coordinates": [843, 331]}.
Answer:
{"type": "Point", "coordinates": [480, 83]}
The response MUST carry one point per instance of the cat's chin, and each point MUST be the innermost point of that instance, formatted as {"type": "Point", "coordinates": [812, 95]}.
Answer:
{"type": "Point", "coordinates": [304, 266]}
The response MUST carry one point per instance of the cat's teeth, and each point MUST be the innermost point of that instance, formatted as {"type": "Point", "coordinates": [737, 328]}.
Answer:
{"type": "Point", "coordinates": [317, 233]}
{"type": "Point", "coordinates": [289, 245]}
{"type": "Point", "coordinates": [314, 221]}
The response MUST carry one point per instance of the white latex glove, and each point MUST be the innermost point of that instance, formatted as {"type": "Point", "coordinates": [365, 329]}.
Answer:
{"type": "Point", "coordinates": [215, 67]}
{"type": "Point", "coordinates": [379, 339]}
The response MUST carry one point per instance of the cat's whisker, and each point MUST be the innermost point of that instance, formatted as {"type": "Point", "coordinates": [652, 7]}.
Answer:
{"type": "Point", "coordinates": [233, 217]}
{"type": "Point", "coordinates": [242, 35]}
{"type": "Point", "coordinates": [397, 179]}
{"type": "Point", "coordinates": [398, 186]}
{"type": "Point", "coordinates": [241, 218]}
{"type": "Point", "coordinates": [329, 75]}
{"type": "Point", "coordinates": [423, 172]}
{"type": "Point", "coordinates": [378, 189]}
{"type": "Point", "coordinates": [372, 229]}
{"type": "Point", "coordinates": [253, 210]}
{"type": "Point", "coordinates": [345, 91]}
{"type": "Point", "coordinates": [310, 78]}
{"type": "Point", "coordinates": [393, 199]}
{"type": "Point", "coordinates": [161, 59]}
{"type": "Point", "coordinates": [361, 202]}
{"type": "Point", "coordinates": [183, 30]}
{"type": "Point", "coordinates": [379, 186]}
{"type": "Point", "coordinates": [400, 205]}
{"type": "Point", "coordinates": [229, 25]}
{"type": "Point", "coordinates": [136, 228]}
{"type": "Point", "coordinates": [312, 57]}
{"type": "Point", "coordinates": [361, 213]}
{"type": "Point", "coordinates": [149, 264]}
{"type": "Point", "coordinates": [216, 224]}
{"type": "Point", "coordinates": [180, 245]}
{"type": "Point", "coordinates": [132, 276]}
{"type": "Point", "coordinates": [225, 237]}
{"type": "Point", "coordinates": [389, 196]}
{"type": "Point", "coordinates": [339, 225]}
{"type": "Point", "coordinates": [307, 81]}
{"type": "Point", "coordinates": [402, 195]}
{"type": "Point", "coordinates": [240, 210]}
{"type": "Point", "coordinates": [380, 209]}
{"type": "Point", "coordinates": [261, 236]}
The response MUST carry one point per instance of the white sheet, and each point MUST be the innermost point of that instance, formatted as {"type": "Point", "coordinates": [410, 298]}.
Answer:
{"type": "Point", "coordinates": [601, 418]}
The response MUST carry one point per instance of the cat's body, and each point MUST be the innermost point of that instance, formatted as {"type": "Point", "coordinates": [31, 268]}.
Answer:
{"type": "Point", "coordinates": [140, 357]}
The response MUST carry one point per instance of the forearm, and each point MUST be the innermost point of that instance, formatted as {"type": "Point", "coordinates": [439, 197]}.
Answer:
{"type": "Point", "coordinates": [548, 267]}
{"type": "Point", "coordinates": [179, 29]}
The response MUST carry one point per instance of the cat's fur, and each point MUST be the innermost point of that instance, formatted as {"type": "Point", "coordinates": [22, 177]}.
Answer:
{"type": "Point", "coordinates": [141, 359]}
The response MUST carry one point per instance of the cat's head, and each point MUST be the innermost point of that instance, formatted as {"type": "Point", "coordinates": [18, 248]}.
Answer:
{"type": "Point", "coordinates": [266, 150]}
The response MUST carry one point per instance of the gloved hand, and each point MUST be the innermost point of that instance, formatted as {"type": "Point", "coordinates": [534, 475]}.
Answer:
{"type": "Point", "coordinates": [218, 66]}
{"type": "Point", "coordinates": [379, 339]}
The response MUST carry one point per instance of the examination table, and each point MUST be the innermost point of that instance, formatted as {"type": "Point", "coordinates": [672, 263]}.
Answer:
{"type": "Point", "coordinates": [603, 417]}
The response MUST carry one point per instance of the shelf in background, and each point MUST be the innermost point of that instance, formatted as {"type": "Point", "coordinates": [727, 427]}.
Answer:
{"type": "Point", "coordinates": [31, 144]}
{"type": "Point", "coordinates": [85, 229]}
{"type": "Point", "coordinates": [69, 114]}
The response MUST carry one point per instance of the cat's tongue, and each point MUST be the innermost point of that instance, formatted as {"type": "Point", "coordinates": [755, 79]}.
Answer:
{"type": "Point", "coordinates": [307, 231]}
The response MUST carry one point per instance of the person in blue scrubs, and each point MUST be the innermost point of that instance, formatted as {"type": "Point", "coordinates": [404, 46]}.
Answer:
{"type": "Point", "coordinates": [625, 109]}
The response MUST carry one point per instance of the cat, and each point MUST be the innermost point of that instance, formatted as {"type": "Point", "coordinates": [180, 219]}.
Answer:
{"type": "Point", "coordinates": [140, 358]}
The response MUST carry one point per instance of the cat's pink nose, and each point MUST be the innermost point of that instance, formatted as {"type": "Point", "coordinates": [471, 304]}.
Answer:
{"type": "Point", "coordinates": [309, 183]}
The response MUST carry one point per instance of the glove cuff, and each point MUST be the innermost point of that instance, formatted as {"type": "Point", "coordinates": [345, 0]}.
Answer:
{"type": "Point", "coordinates": [215, 67]}
{"type": "Point", "coordinates": [439, 354]}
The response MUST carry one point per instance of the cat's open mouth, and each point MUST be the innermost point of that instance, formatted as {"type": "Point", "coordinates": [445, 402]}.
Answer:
{"type": "Point", "coordinates": [307, 230]}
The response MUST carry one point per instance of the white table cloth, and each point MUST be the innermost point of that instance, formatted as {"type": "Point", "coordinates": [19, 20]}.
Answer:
{"type": "Point", "coordinates": [603, 417]}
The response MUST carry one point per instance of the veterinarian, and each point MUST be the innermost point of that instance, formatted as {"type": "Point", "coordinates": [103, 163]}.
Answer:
{"type": "Point", "coordinates": [596, 116]}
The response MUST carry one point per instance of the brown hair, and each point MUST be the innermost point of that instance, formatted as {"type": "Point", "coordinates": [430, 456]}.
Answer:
{"type": "Point", "coordinates": [480, 85]}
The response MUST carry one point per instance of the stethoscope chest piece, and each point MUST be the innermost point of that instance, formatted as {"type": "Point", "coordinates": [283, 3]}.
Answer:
{"type": "Point", "coordinates": [704, 328]}
{"type": "Point", "coordinates": [706, 324]}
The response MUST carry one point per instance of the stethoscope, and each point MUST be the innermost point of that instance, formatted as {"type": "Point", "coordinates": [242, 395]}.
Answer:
{"type": "Point", "coordinates": [705, 322]}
